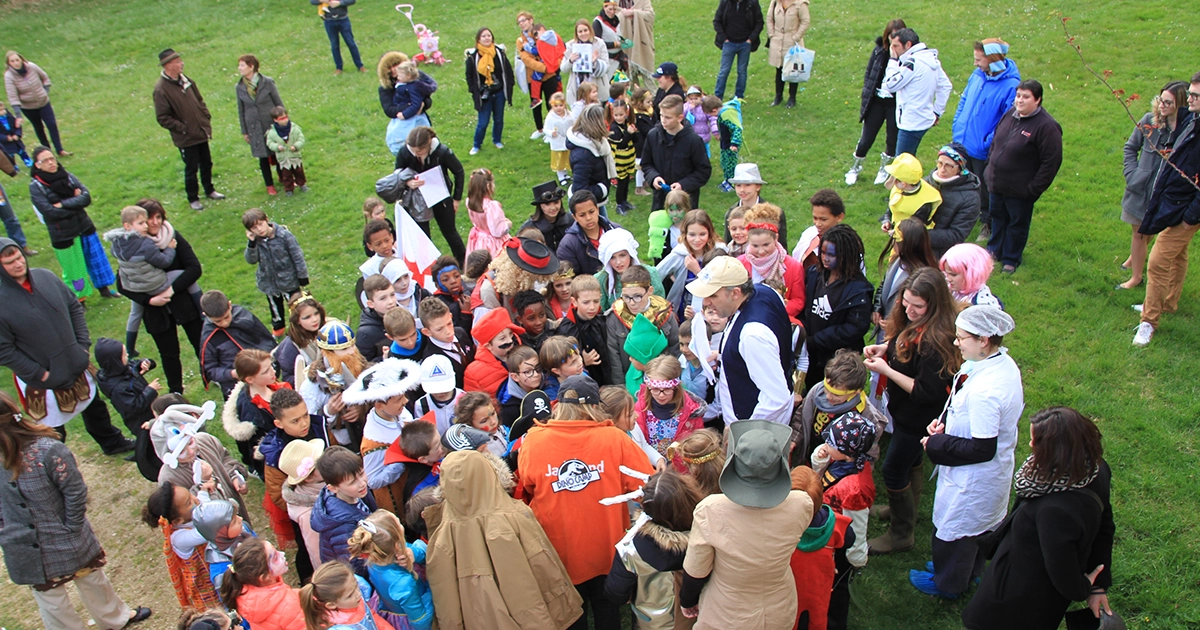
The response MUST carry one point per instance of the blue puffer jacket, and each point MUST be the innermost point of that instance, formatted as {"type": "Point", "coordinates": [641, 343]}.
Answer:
{"type": "Point", "coordinates": [577, 249]}
{"type": "Point", "coordinates": [982, 104]}
{"type": "Point", "coordinates": [1175, 199]}
{"type": "Point", "coordinates": [335, 520]}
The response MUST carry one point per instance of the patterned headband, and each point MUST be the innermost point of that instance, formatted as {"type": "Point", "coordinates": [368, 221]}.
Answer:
{"type": "Point", "coordinates": [654, 383]}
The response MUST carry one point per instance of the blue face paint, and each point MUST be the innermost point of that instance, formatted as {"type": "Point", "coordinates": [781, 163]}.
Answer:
{"type": "Point", "coordinates": [828, 255]}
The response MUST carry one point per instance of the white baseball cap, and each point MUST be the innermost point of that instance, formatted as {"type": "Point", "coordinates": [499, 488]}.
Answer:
{"type": "Point", "coordinates": [437, 375]}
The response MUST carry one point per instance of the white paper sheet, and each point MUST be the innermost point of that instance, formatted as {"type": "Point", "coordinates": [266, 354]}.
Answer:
{"type": "Point", "coordinates": [583, 65]}
{"type": "Point", "coordinates": [434, 189]}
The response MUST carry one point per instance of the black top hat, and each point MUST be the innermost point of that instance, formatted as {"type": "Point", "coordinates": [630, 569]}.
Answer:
{"type": "Point", "coordinates": [547, 192]}
{"type": "Point", "coordinates": [167, 55]}
{"type": "Point", "coordinates": [532, 256]}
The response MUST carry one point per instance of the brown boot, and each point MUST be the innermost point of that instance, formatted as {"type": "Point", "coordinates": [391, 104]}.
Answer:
{"type": "Point", "coordinates": [899, 536]}
{"type": "Point", "coordinates": [916, 480]}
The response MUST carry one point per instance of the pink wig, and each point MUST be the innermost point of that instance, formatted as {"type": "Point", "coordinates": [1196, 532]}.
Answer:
{"type": "Point", "coordinates": [971, 261]}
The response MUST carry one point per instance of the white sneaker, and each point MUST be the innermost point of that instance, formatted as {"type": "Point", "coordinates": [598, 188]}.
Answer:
{"type": "Point", "coordinates": [1137, 307]}
{"type": "Point", "coordinates": [537, 135]}
{"type": "Point", "coordinates": [881, 176]}
{"type": "Point", "coordinates": [499, 145]}
{"type": "Point", "coordinates": [852, 175]}
{"type": "Point", "coordinates": [1144, 332]}
{"type": "Point", "coordinates": [473, 151]}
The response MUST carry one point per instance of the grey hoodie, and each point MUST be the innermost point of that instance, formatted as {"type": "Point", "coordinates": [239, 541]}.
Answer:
{"type": "Point", "coordinates": [142, 263]}
{"type": "Point", "coordinates": [43, 330]}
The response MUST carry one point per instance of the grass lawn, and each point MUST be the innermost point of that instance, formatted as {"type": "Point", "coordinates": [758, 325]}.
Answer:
{"type": "Point", "coordinates": [1073, 330]}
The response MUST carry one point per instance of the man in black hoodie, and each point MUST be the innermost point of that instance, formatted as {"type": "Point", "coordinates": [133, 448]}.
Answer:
{"type": "Point", "coordinates": [44, 341]}
{"type": "Point", "coordinates": [738, 24]}
{"type": "Point", "coordinates": [674, 156]}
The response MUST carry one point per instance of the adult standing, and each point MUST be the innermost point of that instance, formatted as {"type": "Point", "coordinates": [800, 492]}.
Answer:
{"type": "Point", "coordinates": [490, 80]}
{"type": "Point", "coordinates": [595, 70]}
{"type": "Point", "coordinates": [758, 330]}
{"type": "Point", "coordinates": [336, 16]}
{"type": "Point", "coordinates": [972, 443]}
{"type": "Point", "coordinates": [959, 187]}
{"type": "Point", "coordinates": [387, 84]}
{"type": "Point", "coordinates": [787, 21]}
{"type": "Point", "coordinates": [1057, 546]}
{"type": "Point", "coordinates": [918, 359]}
{"type": "Point", "coordinates": [877, 106]}
{"type": "Point", "coordinates": [1173, 213]}
{"type": "Point", "coordinates": [727, 581]}
{"type": "Point", "coordinates": [1155, 132]}
{"type": "Point", "coordinates": [674, 156]}
{"type": "Point", "coordinates": [531, 62]}
{"type": "Point", "coordinates": [637, 26]}
{"type": "Point", "coordinates": [738, 24]}
{"type": "Point", "coordinates": [422, 151]}
{"type": "Point", "coordinates": [62, 201]}
{"type": "Point", "coordinates": [256, 96]}
{"type": "Point", "coordinates": [28, 88]}
{"type": "Point", "coordinates": [180, 109]}
{"type": "Point", "coordinates": [990, 92]}
{"type": "Point", "coordinates": [592, 165]}
{"type": "Point", "coordinates": [922, 88]}
{"type": "Point", "coordinates": [162, 316]}
{"type": "Point", "coordinates": [47, 539]}
{"type": "Point", "coordinates": [44, 341]}
{"type": "Point", "coordinates": [1026, 156]}
{"type": "Point", "coordinates": [606, 26]}
{"type": "Point", "coordinates": [669, 84]}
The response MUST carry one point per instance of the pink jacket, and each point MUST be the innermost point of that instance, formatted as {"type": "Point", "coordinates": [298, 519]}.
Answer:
{"type": "Point", "coordinates": [691, 419]}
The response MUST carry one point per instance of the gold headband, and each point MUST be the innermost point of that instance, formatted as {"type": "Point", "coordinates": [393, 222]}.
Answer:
{"type": "Point", "coordinates": [673, 450]}
{"type": "Point", "coordinates": [300, 299]}
{"type": "Point", "coordinates": [839, 392]}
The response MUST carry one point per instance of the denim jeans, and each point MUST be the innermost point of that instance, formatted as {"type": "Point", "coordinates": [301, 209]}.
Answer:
{"type": "Point", "coordinates": [493, 109]}
{"type": "Point", "coordinates": [908, 141]}
{"type": "Point", "coordinates": [332, 29]}
{"type": "Point", "coordinates": [1010, 227]}
{"type": "Point", "coordinates": [12, 225]}
{"type": "Point", "coordinates": [728, 50]}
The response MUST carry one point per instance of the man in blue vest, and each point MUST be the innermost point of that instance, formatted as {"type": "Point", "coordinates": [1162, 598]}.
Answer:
{"type": "Point", "coordinates": [757, 331]}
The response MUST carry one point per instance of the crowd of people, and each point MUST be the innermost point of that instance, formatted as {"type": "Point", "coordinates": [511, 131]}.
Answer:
{"type": "Point", "coordinates": [559, 423]}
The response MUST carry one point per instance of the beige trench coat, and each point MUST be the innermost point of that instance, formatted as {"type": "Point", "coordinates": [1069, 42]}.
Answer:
{"type": "Point", "coordinates": [751, 585]}
{"type": "Point", "coordinates": [785, 27]}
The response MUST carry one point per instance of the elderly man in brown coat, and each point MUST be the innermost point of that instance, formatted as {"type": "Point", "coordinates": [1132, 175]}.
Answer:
{"type": "Point", "coordinates": [180, 109]}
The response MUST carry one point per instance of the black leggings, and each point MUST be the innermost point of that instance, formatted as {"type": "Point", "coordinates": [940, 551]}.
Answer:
{"type": "Point", "coordinates": [879, 111]}
{"type": "Point", "coordinates": [168, 351]}
{"type": "Point", "coordinates": [264, 165]}
{"type": "Point", "coordinates": [779, 85]}
{"type": "Point", "coordinates": [444, 214]}
{"type": "Point", "coordinates": [549, 87]}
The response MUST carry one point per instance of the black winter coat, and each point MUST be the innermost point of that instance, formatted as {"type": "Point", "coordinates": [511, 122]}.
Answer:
{"type": "Point", "coordinates": [873, 77]}
{"type": "Point", "coordinates": [675, 89]}
{"type": "Point", "coordinates": [592, 334]}
{"type": "Point", "coordinates": [219, 346]}
{"type": "Point", "coordinates": [836, 316]}
{"type": "Point", "coordinates": [577, 249]}
{"type": "Point", "coordinates": [370, 337]}
{"type": "Point", "coordinates": [71, 220]}
{"type": "Point", "coordinates": [678, 158]}
{"type": "Point", "coordinates": [439, 155]}
{"type": "Point", "coordinates": [1039, 566]}
{"type": "Point", "coordinates": [1174, 199]}
{"type": "Point", "coordinates": [738, 21]}
{"type": "Point", "coordinates": [956, 216]}
{"type": "Point", "coordinates": [131, 396]}
{"type": "Point", "coordinates": [552, 231]}
{"type": "Point", "coordinates": [913, 411]}
{"type": "Point", "coordinates": [588, 171]}
{"type": "Point", "coordinates": [502, 78]}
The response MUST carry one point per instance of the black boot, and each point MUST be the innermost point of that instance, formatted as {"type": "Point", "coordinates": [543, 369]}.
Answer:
{"type": "Point", "coordinates": [131, 343]}
{"type": "Point", "coordinates": [791, 96]}
{"type": "Point", "coordinates": [778, 90]}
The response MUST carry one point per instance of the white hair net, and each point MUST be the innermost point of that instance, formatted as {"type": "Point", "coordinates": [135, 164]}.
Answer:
{"type": "Point", "coordinates": [985, 321]}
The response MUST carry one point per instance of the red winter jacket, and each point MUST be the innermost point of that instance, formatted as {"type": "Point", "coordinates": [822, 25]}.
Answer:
{"type": "Point", "coordinates": [691, 419]}
{"type": "Point", "coordinates": [793, 282]}
{"type": "Point", "coordinates": [272, 607]}
{"type": "Point", "coordinates": [814, 572]}
{"type": "Point", "coordinates": [485, 373]}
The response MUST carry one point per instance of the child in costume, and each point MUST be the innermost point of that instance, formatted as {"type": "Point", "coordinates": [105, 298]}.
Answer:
{"type": "Point", "coordinates": [911, 196]}
{"type": "Point", "coordinates": [451, 288]}
{"type": "Point", "coordinates": [618, 251]}
{"type": "Point", "coordinates": [395, 570]}
{"type": "Point", "coordinates": [558, 123]}
{"type": "Point", "coordinates": [385, 386]}
{"type": "Point", "coordinates": [967, 268]}
{"type": "Point", "coordinates": [339, 364]}
{"type": "Point", "coordinates": [767, 261]}
{"type": "Point", "coordinates": [524, 376]}
{"type": "Point", "coordinates": [638, 300]}
{"type": "Point", "coordinates": [550, 49]}
{"type": "Point", "coordinates": [666, 412]}
{"type": "Point", "coordinates": [254, 587]}
{"type": "Point", "coordinates": [489, 227]}
{"type": "Point", "coordinates": [621, 133]}
{"type": "Point", "coordinates": [618, 404]}
{"type": "Point", "coordinates": [217, 521]}
{"type": "Point", "coordinates": [584, 321]}
{"type": "Point", "coordinates": [729, 125]}
{"type": "Point", "coordinates": [476, 409]}
{"type": "Point", "coordinates": [306, 316]}
{"type": "Point", "coordinates": [697, 237]}
{"type": "Point", "coordinates": [558, 293]}
{"type": "Point", "coordinates": [300, 491]}
{"type": "Point", "coordinates": [179, 443]}
{"type": "Point", "coordinates": [441, 393]}
{"type": "Point", "coordinates": [664, 224]}
{"type": "Point", "coordinates": [169, 508]}
{"type": "Point", "coordinates": [813, 562]}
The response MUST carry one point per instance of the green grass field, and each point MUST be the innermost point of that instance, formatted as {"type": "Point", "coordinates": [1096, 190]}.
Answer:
{"type": "Point", "coordinates": [1073, 330]}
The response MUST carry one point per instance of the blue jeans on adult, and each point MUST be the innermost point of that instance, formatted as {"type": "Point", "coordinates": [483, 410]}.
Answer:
{"type": "Point", "coordinates": [908, 141]}
{"type": "Point", "coordinates": [1010, 227]}
{"type": "Point", "coordinates": [492, 109]}
{"type": "Point", "coordinates": [335, 27]}
{"type": "Point", "coordinates": [728, 50]}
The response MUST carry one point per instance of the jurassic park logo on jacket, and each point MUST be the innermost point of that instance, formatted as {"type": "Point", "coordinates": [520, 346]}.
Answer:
{"type": "Point", "coordinates": [574, 475]}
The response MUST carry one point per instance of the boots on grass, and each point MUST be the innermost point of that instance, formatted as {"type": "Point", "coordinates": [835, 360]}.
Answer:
{"type": "Point", "coordinates": [791, 95]}
{"type": "Point", "coordinates": [882, 175]}
{"type": "Point", "coordinates": [916, 481]}
{"type": "Point", "coordinates": [899, 536]}
{"type": "Point", "coordinates": [852, 174]}
{"type": "Point", "coordinates": [778, 92]}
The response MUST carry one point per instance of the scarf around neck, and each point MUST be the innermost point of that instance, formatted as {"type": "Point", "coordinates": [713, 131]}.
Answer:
{"type": "Point", "coordinates": [59, 182]}
{"type": "Point", "coordinates": [283, 131]}
{"type": "Point", "coordinates": [771, 266]}
{"type": "Point", "coordinates": [1028, 486]}
{"type": "Point", "coordinates": [486, 64]}
{"type": "Point", "coordinates": [166, 234]}
{"type": "Point", "coordinates": [251, 85]}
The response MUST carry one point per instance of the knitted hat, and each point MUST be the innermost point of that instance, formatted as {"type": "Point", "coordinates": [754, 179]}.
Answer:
{"type": "Point", "coordinates": [335, 335]}
{"type": "Point", "coordinates": [995, 50]}
{"type": "Point", "coordinates": [645, 341]}
{"type": "Point", "coordinates": [384, 380]}
{"type": "Point", "coordinates": [958, 153]}
{"type": "Point", "coordinates": [905, 168]}
{"type": "Point", "coordinates": [299, 459]}
{"type": "Point", "coordinates": [166, 56]}
{"type": "Point", "coordinates": [487, 327]}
